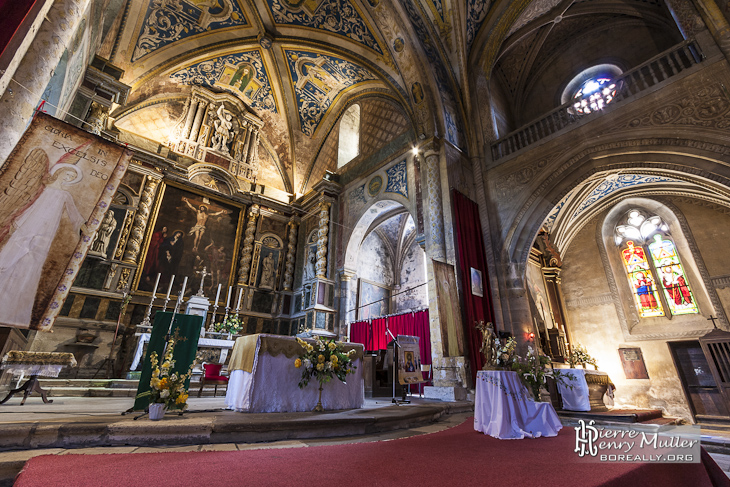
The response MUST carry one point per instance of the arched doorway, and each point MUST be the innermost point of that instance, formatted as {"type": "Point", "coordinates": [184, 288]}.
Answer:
{"type": "Point", "coordinates": [384, 265]}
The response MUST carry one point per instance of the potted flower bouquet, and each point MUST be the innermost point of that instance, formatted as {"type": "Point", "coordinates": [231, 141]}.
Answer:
{"type": "Point", "coordinates": [231, 325]}
{"type": "Point", "coordinates": [579, 355]}
{"type": "Point", "coordinates": [167, 387]}
{"type": "Point", "coordinates": [534, 371]}
{"type": "Point", "coordinates": [322, 362]}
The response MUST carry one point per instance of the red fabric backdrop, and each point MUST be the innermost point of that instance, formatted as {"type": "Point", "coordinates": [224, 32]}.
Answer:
{"type": "Point", "coordinates": [470, 253]}
{"type": "Point", "coordinates": [372, 334]}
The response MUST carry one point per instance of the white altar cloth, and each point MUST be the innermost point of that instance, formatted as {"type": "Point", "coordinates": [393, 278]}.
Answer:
{"type": "Point", "coordinates": [503, 408]}
{"type": "Point", "coordinates": [224, 345]}
{"type": "Point", "coordinates": [272, 385]}
{"type": "Point", "coordinates": [575, 399]}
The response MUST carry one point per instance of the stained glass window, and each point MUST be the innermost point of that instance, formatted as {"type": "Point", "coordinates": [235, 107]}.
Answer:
{"type": "Point", "coordinates": [642, 281]}
{"type": "Point", "coordinates": [653, 267]}
{"type": "Point", "coordinates": [671, 272]}
{"type": "Point", "coordinates": [594, 95]}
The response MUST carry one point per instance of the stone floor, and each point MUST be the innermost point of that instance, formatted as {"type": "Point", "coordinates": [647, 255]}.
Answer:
{"type": "Point", "coordinates": [80, 410]}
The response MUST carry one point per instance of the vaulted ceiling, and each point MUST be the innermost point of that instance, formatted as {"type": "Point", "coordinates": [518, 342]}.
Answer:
{"type": "Point", "coordinates": [413, 63]}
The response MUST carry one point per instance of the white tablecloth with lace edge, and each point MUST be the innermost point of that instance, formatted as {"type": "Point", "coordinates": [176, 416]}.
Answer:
{"type": "Point", "coordinates": [503, 408]}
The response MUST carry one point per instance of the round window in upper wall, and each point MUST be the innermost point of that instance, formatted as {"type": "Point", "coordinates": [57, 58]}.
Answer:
{"type": "Point", "coordinates": [592, 89]}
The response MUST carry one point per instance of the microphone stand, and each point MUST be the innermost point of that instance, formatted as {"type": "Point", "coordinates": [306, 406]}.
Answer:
{"type": "Point", "coordinates": [395, 369]}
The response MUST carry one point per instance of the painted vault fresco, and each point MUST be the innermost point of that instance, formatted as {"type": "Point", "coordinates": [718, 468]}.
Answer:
{"type": "Point", "coordinates": [334, 16]}
{"type": "Point", "coordinates": [318, 80]}
{"type": "Point", "coordinates": [242, 74]}
{"type": "Point", "coordinates": [168, 21]}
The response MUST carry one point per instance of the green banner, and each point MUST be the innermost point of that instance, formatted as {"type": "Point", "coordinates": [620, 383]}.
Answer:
{"type": "Point", "coordinates": [186, 332]}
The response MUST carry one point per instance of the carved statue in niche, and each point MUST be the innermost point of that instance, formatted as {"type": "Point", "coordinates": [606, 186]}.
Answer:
{"type": "Point", "coordinates": [223, 126]}
{"type": "Point", "coordinates": [101, 243]}
{"type": "Point", "coordinates": [310, 264]}
{"type": "Point", "coordinates": [267, 274]}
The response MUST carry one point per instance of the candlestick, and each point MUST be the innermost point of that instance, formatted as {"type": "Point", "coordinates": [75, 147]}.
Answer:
{"type": "Point", "coordinates": [157, 281]}
{"type": "Point", "coordinates": [217, 294]}
{"type": "Point", "coordinates": [228, 299]}
{"type": "Point", "coordinates": [185, 283]}
{"type": "Point", "coordinates": [169, 288]}
{"type": "Point", "coordinates": [240, 293]}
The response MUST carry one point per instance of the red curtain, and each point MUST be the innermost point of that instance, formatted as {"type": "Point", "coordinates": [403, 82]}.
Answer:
{"type": "Point", "coordinates": [373, 334]}
{"type": "Point", "coordinates": [360, 333]}
{"type": "Point", "coordinates": [470, 254]}
{"type": "Point", "coordinates": [380, 341]}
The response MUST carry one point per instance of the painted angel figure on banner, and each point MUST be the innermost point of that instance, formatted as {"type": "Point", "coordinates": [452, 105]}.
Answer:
{"type": "Point", "coordinates": [30, 231]}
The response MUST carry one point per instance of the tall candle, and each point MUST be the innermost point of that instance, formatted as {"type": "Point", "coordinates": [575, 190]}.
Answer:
{"type": "Point", "coordinates": [217, 294]}
{"type": "Point", "coordinates": [228, 299]}
{"type": "Point", "coordinates": [169, 288]}
{"type": "Point", "coordinates": [240, 293]}
{"type": "Point", "coordinates": [185, 282]}
{"type": "Point", "coordinates": [157, 281]}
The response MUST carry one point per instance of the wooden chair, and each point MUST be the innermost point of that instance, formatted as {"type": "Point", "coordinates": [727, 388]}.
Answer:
{"type": "Point", "coordinates": [212, 376]}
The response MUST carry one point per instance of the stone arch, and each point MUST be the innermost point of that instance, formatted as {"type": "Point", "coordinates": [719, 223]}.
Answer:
{"type": "Point", "coordinates": [692, 161]}
{"type": "Point", "coordinates": [197, 172]}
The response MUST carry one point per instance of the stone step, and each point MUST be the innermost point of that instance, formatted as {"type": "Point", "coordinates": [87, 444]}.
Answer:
{"type": "Point", "coordinates": [117, 391]}
{"type": "Point", "coordinates": [90, 392]}
{"type": "Point", "coordinates": [111, 383]}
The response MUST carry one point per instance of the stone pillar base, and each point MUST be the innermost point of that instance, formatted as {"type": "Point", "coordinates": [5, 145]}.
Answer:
{"type": "Point", "coordinates": [450, 394]}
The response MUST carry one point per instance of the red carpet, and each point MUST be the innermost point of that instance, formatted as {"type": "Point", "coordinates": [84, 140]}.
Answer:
{"type": "Point", "coordinates": [458, 456]}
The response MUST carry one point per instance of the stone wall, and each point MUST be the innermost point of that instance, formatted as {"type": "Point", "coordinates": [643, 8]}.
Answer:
{"type": "Point", "coordinates": [592, 313]}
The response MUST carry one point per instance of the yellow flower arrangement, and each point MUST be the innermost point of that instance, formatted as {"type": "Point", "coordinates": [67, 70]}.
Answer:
{"type": "Point", "coordinates": [168, 387]}
{"type": "Point", "coordinates": [323, 361]}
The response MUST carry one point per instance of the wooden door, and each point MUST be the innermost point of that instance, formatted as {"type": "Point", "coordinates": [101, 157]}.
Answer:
{"type": "Point", "coordinates": [706, 399]}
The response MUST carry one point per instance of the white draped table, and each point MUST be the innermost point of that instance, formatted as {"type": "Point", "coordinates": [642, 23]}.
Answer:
{"type": "Point", "coordinates": [503, 408]}
{"type": "Point", "coordinates": [263, 379]}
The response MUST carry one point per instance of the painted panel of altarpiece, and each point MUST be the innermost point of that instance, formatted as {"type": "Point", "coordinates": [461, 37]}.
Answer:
{"type": "Point", "coordinates": [55, 188]}
{"type": "Point", "coordinates": [191, 232]}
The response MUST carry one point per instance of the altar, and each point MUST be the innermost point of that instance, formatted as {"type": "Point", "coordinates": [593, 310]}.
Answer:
{"type": "Point", "coordinates": [263, 379]}
{"type": "Point", "coordinates": [221, 343]}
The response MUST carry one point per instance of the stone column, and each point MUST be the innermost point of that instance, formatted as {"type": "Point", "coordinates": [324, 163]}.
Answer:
{"type": "Point", "coordinates": [290, 256]}
{"type": "Point", "coordinates": [198, 120]}
{"type": "Point", "coordinates": [348, 299]}
{"type": "Point", "coordinates": [36, 69]}
{"type": "Point", "coordinates": [247, 249]}
{"type": "Point", "coordinates": [437, 241]}
{"type": "Point", "coordinates": [246, 143]}
{"type": "Point", "coordinates": [193, 106]}
{"type": "Point", "coordinates": [134, 244]}
{"type": "Point", "coordinates": [324, 222]}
